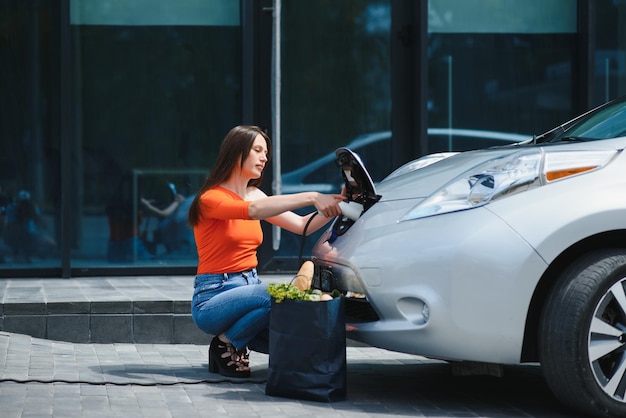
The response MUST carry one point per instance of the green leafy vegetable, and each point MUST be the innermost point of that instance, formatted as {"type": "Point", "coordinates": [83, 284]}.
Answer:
{"type": "Point", "coordinates": [282, 291]}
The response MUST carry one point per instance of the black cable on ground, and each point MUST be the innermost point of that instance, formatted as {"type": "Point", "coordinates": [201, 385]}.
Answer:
{"type": "Point", "coordinates": [148, 384]}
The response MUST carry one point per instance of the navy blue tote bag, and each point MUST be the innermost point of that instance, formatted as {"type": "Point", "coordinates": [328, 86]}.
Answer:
{"type": "Point", "coordinates": [307, 353]}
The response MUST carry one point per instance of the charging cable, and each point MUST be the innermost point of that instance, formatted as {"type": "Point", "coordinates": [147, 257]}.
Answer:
{"type": "Point", "coordinates": [302, 241]}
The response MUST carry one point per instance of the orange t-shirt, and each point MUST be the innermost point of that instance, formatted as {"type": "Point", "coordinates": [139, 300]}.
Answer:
{"type": "Point", "coordinates": [226, 238]}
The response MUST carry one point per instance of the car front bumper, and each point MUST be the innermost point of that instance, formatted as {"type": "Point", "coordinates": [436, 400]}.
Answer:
{"type": "Point", "coordinates": [452, 287]}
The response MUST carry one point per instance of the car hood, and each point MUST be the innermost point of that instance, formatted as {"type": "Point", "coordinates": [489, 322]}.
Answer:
{"type": "Point", "coordinates": [425, 181]}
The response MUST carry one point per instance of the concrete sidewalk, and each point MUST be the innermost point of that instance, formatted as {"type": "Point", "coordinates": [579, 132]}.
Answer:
{"type": "Point", "coordinates": [44, 378]}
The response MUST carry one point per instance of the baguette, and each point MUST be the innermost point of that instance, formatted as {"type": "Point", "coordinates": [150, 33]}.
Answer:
{"type": "Point", "coordinates": [303, 279]}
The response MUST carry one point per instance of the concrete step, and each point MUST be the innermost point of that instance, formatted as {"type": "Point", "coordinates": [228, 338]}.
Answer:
{"type": "Point", "coordinates": [145, 321]}
{"type": "Point", "coordinates": [104, 310]}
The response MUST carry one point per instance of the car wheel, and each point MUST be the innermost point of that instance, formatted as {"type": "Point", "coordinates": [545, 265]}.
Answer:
{"type": "Point", "coordinates": [582, 336]}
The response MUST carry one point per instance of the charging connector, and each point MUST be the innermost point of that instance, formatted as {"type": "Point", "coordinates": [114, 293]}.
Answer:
{"type": "Point", "coordinates": [351, 210]}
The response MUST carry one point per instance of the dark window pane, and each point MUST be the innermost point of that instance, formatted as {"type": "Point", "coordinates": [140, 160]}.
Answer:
{"type": "Point", "coordinates": [500, 70]}
{"type": "Point", "coordinates": [29, 134]}
{"type": "Point", "coordinates": [335, 88]}
{"type": "Point", "coordinates": [609, 74]}
{"type": "Point", "coordinates": [155, 93]}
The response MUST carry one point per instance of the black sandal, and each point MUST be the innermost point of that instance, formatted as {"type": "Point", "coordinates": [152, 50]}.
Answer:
{"type": "Point", "coordinates": [244, 356]}
{"type": "Point", "coordinates": [230, 365]}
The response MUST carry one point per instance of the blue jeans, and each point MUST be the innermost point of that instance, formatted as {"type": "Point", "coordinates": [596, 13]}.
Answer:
{"type": "Point", "coordinates": [236, 304]}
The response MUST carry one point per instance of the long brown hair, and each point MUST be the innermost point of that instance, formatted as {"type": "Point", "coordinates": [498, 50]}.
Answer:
{"type": "Point", "coordinates": [234, 150]}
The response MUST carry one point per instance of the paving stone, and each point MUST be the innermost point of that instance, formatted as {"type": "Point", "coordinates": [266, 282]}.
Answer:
{"type": "Point", "coordinates": [66, 307]}
{"type": "Point", "coordinates": [111, 328]}
{"type": "Point", "coordinates": [34, 325]}
{"type": "Point", "coordinates": [154, 328]}
{"type": "Point", "coordinates": [73, 328]}
{"type": "Point", "coordinates": [112, 307]}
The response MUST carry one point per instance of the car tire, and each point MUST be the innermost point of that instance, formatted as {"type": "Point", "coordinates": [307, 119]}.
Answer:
{"type": "Point", "coordinates": [582, 335]}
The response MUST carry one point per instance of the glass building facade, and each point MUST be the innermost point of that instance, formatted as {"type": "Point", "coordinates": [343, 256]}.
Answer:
{"type": "Point", "coordinates": [112, 111]}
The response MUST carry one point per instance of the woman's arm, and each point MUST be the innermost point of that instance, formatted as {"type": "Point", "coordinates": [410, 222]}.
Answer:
{"type": "Point", "coordinates": [264, 207]}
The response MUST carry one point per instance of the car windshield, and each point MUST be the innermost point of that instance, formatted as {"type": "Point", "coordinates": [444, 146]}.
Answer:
{"type": "Point", "coordinates": [605, 123]}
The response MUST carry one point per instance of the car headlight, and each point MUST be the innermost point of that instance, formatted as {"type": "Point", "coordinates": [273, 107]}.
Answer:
{"type": "Point", "coordinates": [507, 175]}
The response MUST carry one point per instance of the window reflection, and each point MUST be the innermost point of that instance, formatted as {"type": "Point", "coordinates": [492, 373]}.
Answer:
{"type": "Point", "coordinates": [29, 135]}
{"type": "Point", "coordinates": [147, 217]}
{"type": "Point", "coordinates": [336, 87]}
{"type": "Point", "coordinates": [507, 70]}
{"type": "Point", "coordinates": [157, 85]}
{"type": "Point", "coordinates": [610, 56]}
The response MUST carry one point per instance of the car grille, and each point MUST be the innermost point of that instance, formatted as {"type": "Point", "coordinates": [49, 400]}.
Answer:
{"type": "Point", "coordinates": [360, 310]}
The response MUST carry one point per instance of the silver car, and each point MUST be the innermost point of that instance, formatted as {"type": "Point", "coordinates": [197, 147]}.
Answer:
{"type": "Point", "coordinates": [506, 255]}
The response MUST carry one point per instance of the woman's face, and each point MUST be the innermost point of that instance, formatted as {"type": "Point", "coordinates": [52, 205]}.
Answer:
{"type": "Point", "coordinates": [255, 161]}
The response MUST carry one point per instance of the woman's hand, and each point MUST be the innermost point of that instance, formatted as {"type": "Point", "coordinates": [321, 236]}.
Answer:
{"type": "Point", "coordinates": [328, 204]}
